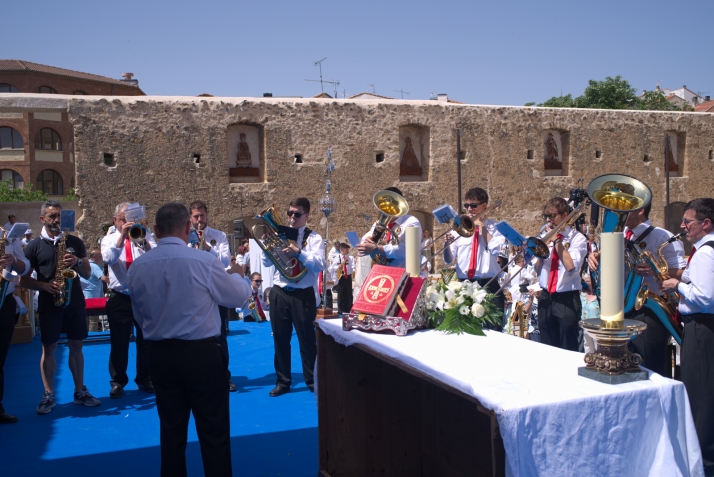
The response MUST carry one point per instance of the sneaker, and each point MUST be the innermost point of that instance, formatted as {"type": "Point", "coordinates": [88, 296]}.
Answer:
{"type": "Point", "coordinates": [83, 397]}
{"type": "Point", "coordinates": [47, 403]}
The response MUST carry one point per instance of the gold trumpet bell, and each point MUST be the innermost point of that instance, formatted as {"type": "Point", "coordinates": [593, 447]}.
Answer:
{"type": "Point", "coordinates": [390, 204]}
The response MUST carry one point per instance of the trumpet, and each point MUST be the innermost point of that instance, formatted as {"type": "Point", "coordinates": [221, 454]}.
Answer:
{"type": "Point", "coordinates": [137, 233]}
{"type": "Point", "coordinates": [465, 225]}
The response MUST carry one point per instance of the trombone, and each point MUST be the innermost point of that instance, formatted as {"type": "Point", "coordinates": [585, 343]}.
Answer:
{"type": "Point", "coordinates": [465, 225]}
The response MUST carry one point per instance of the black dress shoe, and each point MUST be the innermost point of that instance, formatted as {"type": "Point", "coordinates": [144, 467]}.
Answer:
{"type": "Point", "coordinates": [147, 387]}
{"type": "Point", "coordinates": [231, 387]}
{"type": "Point", "coordinates": [279, 390]}
{"type": "Point", "coordinates": [116, 391]}
{"type": "Point", "coordinates": [6, 418]}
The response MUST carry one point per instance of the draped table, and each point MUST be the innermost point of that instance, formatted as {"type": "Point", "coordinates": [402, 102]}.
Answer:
{"type": "Point", "coordinates": [436, 404]}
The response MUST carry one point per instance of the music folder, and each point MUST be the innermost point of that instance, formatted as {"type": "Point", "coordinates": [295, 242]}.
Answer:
{"type": "Point", "coordinates": [510, 233]}
{"type": "Point", "coordinates": [288, 233]}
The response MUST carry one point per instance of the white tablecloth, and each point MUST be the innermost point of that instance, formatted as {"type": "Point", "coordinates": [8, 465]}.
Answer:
{"type": "Point", "coordinates": [553, 422]}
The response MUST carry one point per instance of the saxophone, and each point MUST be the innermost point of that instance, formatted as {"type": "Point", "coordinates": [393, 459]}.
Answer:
{"type": "Point", "coordinates": [665, 306]}
{"type": "Point", "coordinates": [63, 275]}
{"type": "Point", "coordinates": [253, 309]}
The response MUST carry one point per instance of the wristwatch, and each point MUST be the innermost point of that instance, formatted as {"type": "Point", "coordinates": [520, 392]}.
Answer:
{"type": "Point", "coordinates": [79, 263]}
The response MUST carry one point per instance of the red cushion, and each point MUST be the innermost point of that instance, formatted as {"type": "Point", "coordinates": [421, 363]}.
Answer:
{"type": "Point", "coordinates": [95, 305]}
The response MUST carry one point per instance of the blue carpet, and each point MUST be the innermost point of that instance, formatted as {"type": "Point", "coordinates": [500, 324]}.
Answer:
{"type": "Point", "coordinates": [269, 436]}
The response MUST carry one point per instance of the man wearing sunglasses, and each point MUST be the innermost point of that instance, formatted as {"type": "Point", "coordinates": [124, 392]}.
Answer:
{"type": "Point", "coordinates": [294, 304]}
{"type": "Point", "coordinates": [652, 343]}
{"type": "Point", "coordinates": [216, 243]}
{"type": "Point", "coordinates": [559, 305]}
{"type": "Point", "coordinates": [696, 304]}
{"type": "Point", "coordinates": [477, 256]}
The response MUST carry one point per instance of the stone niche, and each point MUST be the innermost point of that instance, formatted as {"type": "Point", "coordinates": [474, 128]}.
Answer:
{"type": "Point", "coordinates": [674, 151]}
{"type": "Point", "coordinates": [555, 152]}
{"type": "Point", "coordinates": [246, 153]}
{"type": "Point", "coordinates": [414, 153]}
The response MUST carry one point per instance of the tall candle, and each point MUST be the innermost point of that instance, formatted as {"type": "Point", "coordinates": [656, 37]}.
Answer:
{"type": "Point", "coordinates": [413, 251]}
{"type": "Point", "coordinates": [612, 277]}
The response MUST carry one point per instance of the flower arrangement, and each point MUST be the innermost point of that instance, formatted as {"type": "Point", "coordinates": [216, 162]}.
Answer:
{"type": "Point", "coordinates": [460, 307]}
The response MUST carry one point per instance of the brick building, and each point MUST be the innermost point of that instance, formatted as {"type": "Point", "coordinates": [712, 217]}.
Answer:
{"type": "Point", "coordinates": [37, 146]}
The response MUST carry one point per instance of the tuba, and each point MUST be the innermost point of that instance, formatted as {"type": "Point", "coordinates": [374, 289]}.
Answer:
{"type": "Point", "coordinates": [63, 275]}
{"type": "Point", "coordinates": [390, 205]}
{"type": "Point", "coordinates": [665, 306]}
{"type": "Point", "coordinates": [264, 230]}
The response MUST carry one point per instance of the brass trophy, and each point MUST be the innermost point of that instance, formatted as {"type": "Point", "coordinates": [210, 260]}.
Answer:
{"type": "Point", "coordinates": [612, 362]}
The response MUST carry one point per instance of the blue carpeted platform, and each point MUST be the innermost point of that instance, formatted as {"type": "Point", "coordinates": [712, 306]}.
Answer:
{"type": "Point", "coordinates": [269, 436]}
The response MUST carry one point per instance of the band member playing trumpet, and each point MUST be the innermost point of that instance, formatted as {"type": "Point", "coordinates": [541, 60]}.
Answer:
{"type": "Point", "coordinates": [477, 256]}
{"type": "Point", "coordinates": [119, 252]}
{"type": "Point", "coordinates": [294, 303]}
{"type": "Point", "coordinates": [215, 242]}
{"type": "Point", "coordinates": [395, 254]}
{"type": "Point", "coordinates": [696, 304]}
{"type": "Point", "coordinates": [559, 305]}
{"type": "Point", "coordinates": [652, 343]}
{"type": "Point", "coordinates": [342, 268]}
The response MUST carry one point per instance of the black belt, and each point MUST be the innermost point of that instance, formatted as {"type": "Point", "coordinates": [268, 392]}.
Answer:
{"type": "Point", "coordinates": [546, 293]}
{"type": "Point", "coordinates": [290, 289]}
{"type": "Point", "coordinates": [115, 293]}
{"type": "Point", "coordinates": [697, 317]}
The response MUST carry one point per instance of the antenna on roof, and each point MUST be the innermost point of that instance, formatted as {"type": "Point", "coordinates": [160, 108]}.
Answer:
{"type": "Point", "coordinates": [373, 91]}
{"type": "Point", "coordinates": [319, 63]}
{"type": "Point", "coordinates": [401, 91]}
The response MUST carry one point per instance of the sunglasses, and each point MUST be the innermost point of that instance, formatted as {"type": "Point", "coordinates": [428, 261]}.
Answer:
{"type": "Point", "coordinates": [549, 216]}
{"type": "Point", "coordinates": [686, 222]}
{"type": "Point", "coordinates": [258, 281]}
{"type": "Point", "coordinates": [296, 214]}
{"type": "Point", "coordinates": [472, 205]}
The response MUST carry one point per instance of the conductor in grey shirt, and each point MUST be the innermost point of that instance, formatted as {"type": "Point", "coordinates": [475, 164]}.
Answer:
{"type": "Point", "coordinates": [176, 291]}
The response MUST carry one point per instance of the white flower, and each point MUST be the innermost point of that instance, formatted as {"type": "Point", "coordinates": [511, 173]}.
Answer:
{"type": "Point", "coordinates": [464, 310]}
{"type": "Point", "coordinates": [455, 285]}
{"type": "Point", "coordinates": [478, 295]}
{"type": "Point", "coordinates": [434, 296]}
{"type": "Point", "coordinates": [478, 310]}
{"type": "Point", "coordinates": [467, 288]}
{"type": "Point", "coordinates": [430, 289]}
{"type": "Point", "coordinates": [450, 295]}
{"type": "Point", "coordinates": [440, 305]}
{"type": "Point", "coordinates": [459, 300]}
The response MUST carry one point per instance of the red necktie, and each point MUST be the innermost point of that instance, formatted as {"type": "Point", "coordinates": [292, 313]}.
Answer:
{"type": "Point", "coordinates": [554, 265]}
{"type": "Point", "coordinates": [127, 253]}
{"type": "Point", "coordinates": [346, 269]}
{"type": "Point", "coordinates": [628, 235]}
{"type": "Point", "coordinates": [694, 249]}
{"type": "Point", "coordinates": [473, 260]}
{"type": "Point", "coordinates": [319, 282]}
{"type": "Point", "coordinates": [258, 306]}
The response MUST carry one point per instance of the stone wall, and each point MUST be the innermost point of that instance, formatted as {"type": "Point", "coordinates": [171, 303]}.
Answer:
{"type": "Point", "coordinates": [176, 149]}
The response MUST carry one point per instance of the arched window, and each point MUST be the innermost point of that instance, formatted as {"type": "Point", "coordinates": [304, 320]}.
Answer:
{"type": "Point", "coordinates": [49, 182]}
{"type": "Point", "coordinates": [7, 88]}
{"type": "Point", "coordinates": [79, 91]}
{"type": "Point", "coordinates": [48, 139]}
{"type": "Point", "coordinates": [16, 180]}
{"type": "Point", "coordinates": [47, 90]}
{"type": "Point", "coordinates": [10, 138]}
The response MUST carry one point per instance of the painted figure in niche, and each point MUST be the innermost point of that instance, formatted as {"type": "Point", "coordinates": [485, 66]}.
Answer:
{"type": "Point", "coordinates": [672, 163]}
{"type": "Point", "coordinates": [551, 149]}
{"type": "Point", "coordinates": [410, 164]}
{"type": "Point", "coordinates": [243, 159]}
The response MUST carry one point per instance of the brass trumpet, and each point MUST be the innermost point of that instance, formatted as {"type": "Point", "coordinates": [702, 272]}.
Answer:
{"type": "Point", "coordinates": [465, 225]}
{"type": "Point", "coordinates": [137, 233]}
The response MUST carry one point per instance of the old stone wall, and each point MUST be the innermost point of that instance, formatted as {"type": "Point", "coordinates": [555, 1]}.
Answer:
{"type": "Point", "coordinates": [176, 149]}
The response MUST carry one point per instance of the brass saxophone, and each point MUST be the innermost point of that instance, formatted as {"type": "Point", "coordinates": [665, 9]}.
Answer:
{"type": "Point", "coordinates": [253, 309]}
{"type": "Point", "coordinates": [665, 306]}
{"type": "Point", "coordinates": [63, 275]}
{"type": "Point", "coordinates": [520, 317]}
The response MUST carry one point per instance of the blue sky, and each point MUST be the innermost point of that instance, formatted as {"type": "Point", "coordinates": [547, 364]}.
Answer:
{"type": "Point", "coordinates": [495, 52]}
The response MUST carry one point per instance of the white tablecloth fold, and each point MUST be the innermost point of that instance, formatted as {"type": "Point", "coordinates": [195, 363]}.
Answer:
{"type": "Point", "coordinates": [553, 422]}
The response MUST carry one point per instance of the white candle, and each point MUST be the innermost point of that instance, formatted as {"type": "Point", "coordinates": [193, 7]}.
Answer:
{"type": "Point", "coordinates": [413, 251]}
{"type": "Point", "coordinates": [612, 264]}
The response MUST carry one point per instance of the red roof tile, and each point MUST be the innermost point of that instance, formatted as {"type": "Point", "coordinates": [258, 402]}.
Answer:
{"type": "Point", "coordinates": [21, 65]}
{"type": "Point", "coordinates": [705, 107]}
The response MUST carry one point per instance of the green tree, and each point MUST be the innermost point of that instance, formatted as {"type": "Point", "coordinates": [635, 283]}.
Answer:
{"type": "Point", "coordinates": [612, 93]}
{"type": "Point", "coordinates": [656, 101]}
{"type": "Point", "coordinates": [566, 101]}
{"type": "Point", "coordinates": [9, 194]}
{"type": "Point", "coordinates": [72, 195]}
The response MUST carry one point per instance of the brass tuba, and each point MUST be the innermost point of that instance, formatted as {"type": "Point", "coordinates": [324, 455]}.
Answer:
{"type": "Point", "coordinates": [264, 230]}
{"type": "Point", "coordinates": [63, 275]}
{"type": "Point", "coordinates": [390, 205]}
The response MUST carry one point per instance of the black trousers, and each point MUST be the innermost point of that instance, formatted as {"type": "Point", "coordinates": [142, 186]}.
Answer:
{"type": "Point", "coordinates": [344, 297]}
{"type": "Point", "coordinates": [652, 343]}
{"type": "Point", "coordinates": [121, 325]}
{"type": "Point", "coordinates": [223, 338]}
{"type": "Point", "coordinates": [8, 318]}
{"type": "Point", "coordinates": [498, 300]}
{"type": "Point", "coordinates": [189, 378]}
{"type": "Point", "coordinates": [290, 309]}
{"type": "Point", "coordinates": [697, 367]}
{"type": "Point", "coordinates": [558, 317]}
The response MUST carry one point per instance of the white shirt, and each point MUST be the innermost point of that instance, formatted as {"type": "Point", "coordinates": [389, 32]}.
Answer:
{"type": "Point", "coordinates": [115, 258]}
{"type": "Point", "coordinates": [175, 292]}
{"type": "Point", "coordinates": [219, 245]}
{"type": "Point", "coordinates": [261, 297]}
{"type": "Point", "coordinates": [673, 253]}
{"type": "Point", "coordinates": [526, 274]}
{"type": "Point", "coordinates": [15, 248]}
{"type": "Point", "coordinates": [487, 260]}
{"type": "Point", "coordinates": [312, 256]}
{"type": "Point", "coordinates": [337, 262]}
{"type": "Point", "coordinates": [398, 253]}
{"type": "Point", "coordinates": [567, 281]}
{"type": "Point", "coordinates": [697, 286]}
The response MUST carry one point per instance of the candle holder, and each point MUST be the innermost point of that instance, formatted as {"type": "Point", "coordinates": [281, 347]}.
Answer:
{"type": "Point", "coordinates": [327, 204]}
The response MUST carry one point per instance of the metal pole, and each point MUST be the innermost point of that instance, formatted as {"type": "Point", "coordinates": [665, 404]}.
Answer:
{"type": "Point", "coordinates": [458, 166]}
{"type": "Point", "coordinates": [666, 175]}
